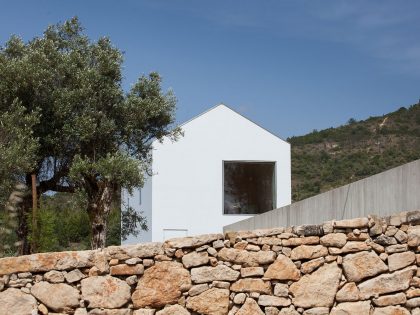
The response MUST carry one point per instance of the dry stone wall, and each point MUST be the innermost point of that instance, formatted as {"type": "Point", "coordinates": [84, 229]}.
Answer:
{"type": "Point", "coordinates": [359, 266]}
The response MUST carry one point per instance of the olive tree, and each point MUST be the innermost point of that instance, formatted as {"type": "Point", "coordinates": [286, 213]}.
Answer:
{"type": "Point", "coordinates": [91, 134]}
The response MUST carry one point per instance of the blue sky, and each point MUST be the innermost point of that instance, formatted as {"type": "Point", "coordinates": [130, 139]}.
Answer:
{"type": "Point", "coordinates": [291, 66]}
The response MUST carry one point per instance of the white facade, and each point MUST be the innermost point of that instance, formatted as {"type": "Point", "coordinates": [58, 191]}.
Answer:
{"type": "Point", "coordinates": [185, 195]}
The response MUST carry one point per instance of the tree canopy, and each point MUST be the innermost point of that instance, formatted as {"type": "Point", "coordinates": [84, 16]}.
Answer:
{"type": "Point", "coordinates": [90, 134]}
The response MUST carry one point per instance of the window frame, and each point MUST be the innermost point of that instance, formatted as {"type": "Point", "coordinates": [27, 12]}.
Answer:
{"type": "Point", "coordinates": [248, 161]}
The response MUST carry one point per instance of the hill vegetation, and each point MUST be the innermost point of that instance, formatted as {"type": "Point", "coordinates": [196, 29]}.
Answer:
{"type": "Point", "coordinates": [326, 159]}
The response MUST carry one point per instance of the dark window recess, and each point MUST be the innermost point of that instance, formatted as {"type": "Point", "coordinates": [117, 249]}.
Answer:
{"type": "Point", "coordinates": [249, 187]}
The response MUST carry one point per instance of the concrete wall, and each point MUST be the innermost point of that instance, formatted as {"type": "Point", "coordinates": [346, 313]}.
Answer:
{"type": "Point", "coordinates": [397, 189]}
{"type": "Point", "coordinates": [187, 185]}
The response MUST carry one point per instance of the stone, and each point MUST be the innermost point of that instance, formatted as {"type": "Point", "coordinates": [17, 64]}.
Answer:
{"type": "Point", "coordinates": [42, 309]}
{"type": "Point", "coordinates": [375, 225]}
{"type": "Point", "coordinates": [281, 289]}
{"type": "Point", "coordinates": [376, 247]}
{"type": "Point", "coordinates": [334, 240]}
{"type": "Point", "coordinates": [209, 274]}
{"type": "Point", "coordinates": [197, 289]}
{"type": "Point", "coordinates": [385, 240]}
{"type": "Point", "coordinates": [144, 311]}
{"type": "Point", "coordinates": [391, 310]}
{"type": "Point", "coordinates": [173, 310]}
{"type": "Point", "coordinates": [13, 302]}
{"type": "Point", "coordinates": [251, 285]}
{"type": "Point", "coordinates": [250, 307]}
{"type": "Point", "coordinates": [387, 300]}
{"type": "Point", "coordinates": [310, 240]}
{"type": "Point", "coordinates": [357, 237]}
{"type": "Point", "coordinates": [386, 283]}
{"type": "Point", "coordinates": [196, 241]}
{"type": "Point", "coordinates": [270, 310]}
{"type": "Point", "coordinates": [43, 262]}
{"type": "Point", "coordinates": [212, 252]}
{"type": "Point", "coordinates": [308, 252]}
{"type": "Point", "coordinates": [161, 284]}
{"type": "Point", "coordinates": [317, 289]}
{"type": "Point", "coordinates": [126, 270]}
{"type": "Point", "coordinates": [59, 297]}
{"type": "Point", "coordinates": [413, 293]}
{"type": "Point", "coordinates": [348, 293]}
{"type": "Point", "coordinates": [413, 217]}
{"type": "Point", "coordinates": [252, 272]}
{"type": "Point", "coordinates": [272, 241]}
{"type": "Point", "coordinates": [218, 244]}
{"type": "Point", "coordinates": [270, 300]}
{"type": "Point", "coordinates": [211, 302]}
{"type": "Point", "coordinates": [195, 259]}
{"type": "Point", "coordinates": [74, 276]}
{"type": "Point", "coordinates": [282, 268]}
{"type": "Point", "coordinates": [131, 280]}
{"type": "Point", "coordinates": [220, 284]}
{"type": "Point", "coordinates": [253, 248]}
{"type": "Point", "coordinates": [288, 311]}
{"type": "Point", "coordinates": [398, 248]}
{"type": "Point", "coordinates": [248, 259]}
{"type": "Point", "coordinates": [22, 275]}
{"type": "Point", "coordinates": [400, 260]}
{"type": "Point", "coordinates": [351, 223]}
{"type": "Point", "coordinates": [105, 291]}
{"type": "Point", "coordinates": [81, 311]}
{"type": "Point", "coordinates": [122, 311]}
{"type": "Point", "coordinates": [352, 247]}
{"type": "Point", "coordinates": [132, 261]}
{"type": "Point", "coordinates": [312, 265]}
{"type": "Point", "coordinates": [317, 311]}
{"type": "Point", "coordinates": [349, 308]}
{"type": "Point", "coordinates": [142, 250]}
{"type": "Point", "coordinates": [415, 302]}
{"type": "Point", "coordinates": [362, 265]}
{"type": "Point", "coordinates": [401, 236]}
{"type": "Point", "coordinates": [239, 298]}
{"type": "Point", "coordinates": [148, 262]}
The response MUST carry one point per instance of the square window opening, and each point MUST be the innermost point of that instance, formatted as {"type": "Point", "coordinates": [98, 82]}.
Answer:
{"type": "Point", "coordinates": [248, 187]}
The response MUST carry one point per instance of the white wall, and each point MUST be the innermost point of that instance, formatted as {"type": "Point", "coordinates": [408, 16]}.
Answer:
{"type": "Point", "coordinates": [144, 208]}
{"type": "Point", "coordinates": [188, 182]}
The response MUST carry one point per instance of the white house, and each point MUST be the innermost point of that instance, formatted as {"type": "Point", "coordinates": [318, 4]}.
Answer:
{"type": "Point", "coordinates": [224, 169]}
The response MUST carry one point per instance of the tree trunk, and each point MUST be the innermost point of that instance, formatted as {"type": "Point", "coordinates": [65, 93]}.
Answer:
{"type": "Point", "coordinates": [23, 229]}
{"type": "Point", "coordinates": [99, 208]}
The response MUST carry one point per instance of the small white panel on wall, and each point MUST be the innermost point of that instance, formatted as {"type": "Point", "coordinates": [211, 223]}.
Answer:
{"type": "Point", "coordinates": [172, 233]}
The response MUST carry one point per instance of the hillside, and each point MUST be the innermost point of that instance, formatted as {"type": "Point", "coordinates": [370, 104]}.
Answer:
{"type": "Point", "coordinates": [326, 159]}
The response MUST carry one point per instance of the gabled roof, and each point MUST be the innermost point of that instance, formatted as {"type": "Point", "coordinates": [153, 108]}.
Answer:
{"type": "Point", "coordinates": [230, 108]}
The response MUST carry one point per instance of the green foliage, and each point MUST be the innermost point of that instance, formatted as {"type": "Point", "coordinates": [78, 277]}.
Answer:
{"type": "Point", "coordinates": [326, 159]}
{"type": "Point", "coordinates": [17, 146]}
{"type": "Point", "coordinates": [90, 134]}
{"type": "Point", "coordinates": [63, 224]}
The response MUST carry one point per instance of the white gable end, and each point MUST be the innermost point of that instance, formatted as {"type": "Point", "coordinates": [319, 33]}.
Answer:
{"type": "Point", "coordinates": [187, 193]}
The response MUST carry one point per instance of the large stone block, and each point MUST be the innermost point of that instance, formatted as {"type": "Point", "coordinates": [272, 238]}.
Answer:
{"type": "Point", "coordinates": [105, 292]}
{"type": "Point", "coordinates": [246, 258]}
{"type": "Point", "coordinates": [317, 289]}
{"type": "Point", "coordinates": [211, 302]}
{"type": "Point", "coordinates": [161, 284]}
{"type": "Point", "coordinates": [209, 274]}
{"type": "Point", "coordinates": [59, 297]}
{"type": "Point", "coordinates": [362, 265]}
{"type": "Point", "coordinates": [387, 283]}
{"type": "Point", "coordinates": [14, 301]}
{"type": "Point", "coordinates": [282, 269]}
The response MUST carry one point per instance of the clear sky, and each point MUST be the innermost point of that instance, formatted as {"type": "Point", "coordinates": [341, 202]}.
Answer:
{"type": "Point", "coordinates": [291, 66]}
